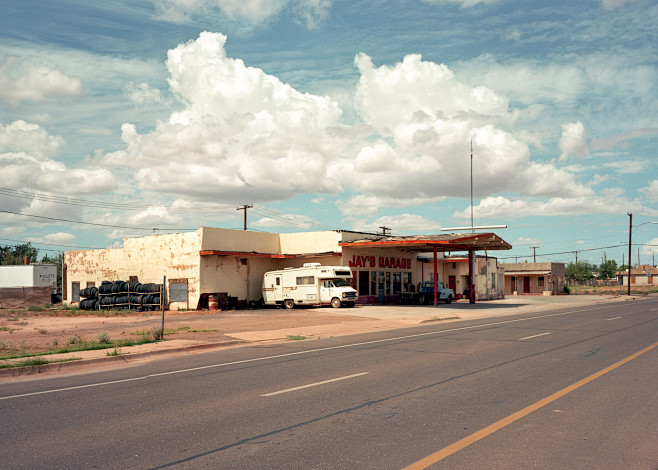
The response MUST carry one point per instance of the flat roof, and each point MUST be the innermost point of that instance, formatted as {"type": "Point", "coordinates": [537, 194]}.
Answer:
{"type": "Point", "coordinates": [443, 242]}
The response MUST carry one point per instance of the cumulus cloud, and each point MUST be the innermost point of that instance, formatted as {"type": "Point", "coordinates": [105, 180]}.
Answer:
{"type": "Point", "coordinates": [500, 207]}
{"type": "Point", "coordinates": [27, 154]}
{"type": "Point", "coordinates": [573, 142]}
{"type": "Point", "coordinates": [30, 79]}
{"type": "Point", "coordinates": [241, 135]}
{"type": "Point", "coordinates": [244, 12]}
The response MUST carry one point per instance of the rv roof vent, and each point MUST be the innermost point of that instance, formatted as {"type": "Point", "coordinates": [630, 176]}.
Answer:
{"type": "Point", "coordinates": [311, 265]}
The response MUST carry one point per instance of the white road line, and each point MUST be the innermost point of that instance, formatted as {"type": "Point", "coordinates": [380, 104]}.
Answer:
{"type": "Point", "coordinates": [308, 351]}
{"type": "Point", "coordinates": [534, 336]}
{"type": "Point", "coordinates": [616, 318]}
{"type": "Point", "coordinates": [314, 384]}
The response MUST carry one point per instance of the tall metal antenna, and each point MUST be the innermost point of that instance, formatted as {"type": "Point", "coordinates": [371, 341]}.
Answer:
{"type": "Point", "coordinates": [472, 230]}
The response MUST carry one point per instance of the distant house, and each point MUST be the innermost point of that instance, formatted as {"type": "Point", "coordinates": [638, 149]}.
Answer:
{"type": "Point", "coordinates": [534, 278]}
{"type": "Point", "coordinates": [645, 275]}
{"type": "Point", "coordinates": [453, 271]}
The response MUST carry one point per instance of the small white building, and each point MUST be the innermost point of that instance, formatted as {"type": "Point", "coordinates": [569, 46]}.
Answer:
{"type": "Point", "coordinates": [25, 285]}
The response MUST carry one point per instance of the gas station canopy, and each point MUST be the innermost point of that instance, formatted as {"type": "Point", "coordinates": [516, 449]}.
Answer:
{"type": "Point", "coordinates": [446, 242]}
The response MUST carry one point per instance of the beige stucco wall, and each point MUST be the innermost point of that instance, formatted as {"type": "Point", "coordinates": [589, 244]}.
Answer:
{"type": "Point", "coordinates": [239, 240]}
{"type": "Point", "coordinates": [310, 242]}
{"type": "Point", "coordinates": [150, 259]}
{"type": "Point", "coordinates": [553, 274]}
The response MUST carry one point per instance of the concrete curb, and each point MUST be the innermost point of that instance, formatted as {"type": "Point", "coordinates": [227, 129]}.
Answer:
{"type": "Point", "coordinates": [59, 366]}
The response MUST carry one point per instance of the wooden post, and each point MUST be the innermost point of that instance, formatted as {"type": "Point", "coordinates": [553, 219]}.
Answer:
{"type": "Point", "coordinates": [162, 303]}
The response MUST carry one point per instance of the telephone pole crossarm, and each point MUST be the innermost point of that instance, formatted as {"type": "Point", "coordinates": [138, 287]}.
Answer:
{"type": "Point", "coordinates": [244, 208]}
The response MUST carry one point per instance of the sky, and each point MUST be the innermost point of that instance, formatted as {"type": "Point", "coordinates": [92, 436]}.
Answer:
{"type": "Point", "coordinates": [127, 118]}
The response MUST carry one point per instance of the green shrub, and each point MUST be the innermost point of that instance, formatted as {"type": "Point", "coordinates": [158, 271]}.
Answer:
{"type": "Point", "coordinates": [104, 337]}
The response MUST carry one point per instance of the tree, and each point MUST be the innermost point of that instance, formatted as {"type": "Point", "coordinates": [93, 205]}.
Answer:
{"type": "Point", "coordinates": [580, 271]}
{"type": "Point", "coordinates": [608, 270]}
{"type": "Point", "coordinates": [15, 254]}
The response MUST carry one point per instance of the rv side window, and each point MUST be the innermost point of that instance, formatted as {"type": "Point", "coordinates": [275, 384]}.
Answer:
{"type": "Point", "coordinates": [305, 280]}
{"type": "Point", "coordinates": [278, 281]}
{"type": "Point", "coordinates": [342, 273]}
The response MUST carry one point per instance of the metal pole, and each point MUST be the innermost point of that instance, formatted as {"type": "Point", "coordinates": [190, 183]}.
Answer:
{"type": "Point", "coordinates": [472, 230]}
{"type": "Point", "coordinates": [630, 231]}
{"type": "Point", "coordinates": [435, 280]}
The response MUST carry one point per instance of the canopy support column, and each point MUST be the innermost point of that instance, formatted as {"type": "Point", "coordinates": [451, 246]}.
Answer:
{"type": "Point", "coordinates": [471, 283]}
{"type": "Point", "coordinates": [435, 277]}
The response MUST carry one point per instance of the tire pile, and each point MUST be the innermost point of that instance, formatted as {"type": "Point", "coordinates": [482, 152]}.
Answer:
{"type": "Point", "coordinates": [121, 294]}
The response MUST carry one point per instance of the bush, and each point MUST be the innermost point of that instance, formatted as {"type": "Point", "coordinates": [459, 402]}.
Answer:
{"type": "Point", "coordinates": [104, 337]}
{"type": "Point", "coordinates": [76, 340]}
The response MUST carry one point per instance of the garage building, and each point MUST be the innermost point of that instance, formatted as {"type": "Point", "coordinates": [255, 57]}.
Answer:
{"type": "Point", "coordinates": [229, 264]}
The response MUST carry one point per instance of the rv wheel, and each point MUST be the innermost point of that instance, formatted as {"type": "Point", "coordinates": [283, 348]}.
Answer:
{"type": "Point", "coordinates": [335, 302]}
{"type": "Point", "coordinates": [289, 303]}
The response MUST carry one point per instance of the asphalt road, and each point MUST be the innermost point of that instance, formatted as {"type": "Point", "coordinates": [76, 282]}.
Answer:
{"type": "Point", "coordinates": [572, 388]}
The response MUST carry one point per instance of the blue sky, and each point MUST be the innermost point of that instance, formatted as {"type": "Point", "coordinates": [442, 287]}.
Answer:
{"type": "Point", "coordinates": [132, 116]}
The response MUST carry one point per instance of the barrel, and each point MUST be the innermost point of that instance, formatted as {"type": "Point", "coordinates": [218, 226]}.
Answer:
{"type": "Point", "coordinates": [213, 302]}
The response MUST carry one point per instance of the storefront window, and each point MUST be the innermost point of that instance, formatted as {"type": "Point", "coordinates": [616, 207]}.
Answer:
{"type": "Point", "coordinates": [397, 283]}
{"type": "Point", "coordinates": [407, 282]}
{"type": "Point", "coordinates": [388, 283]}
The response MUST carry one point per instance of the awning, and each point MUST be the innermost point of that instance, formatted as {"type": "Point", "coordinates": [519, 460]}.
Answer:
{"type": "Point", "coordinates": [447, 242]}
{"type": "Point", "coordinates": [255, 254]}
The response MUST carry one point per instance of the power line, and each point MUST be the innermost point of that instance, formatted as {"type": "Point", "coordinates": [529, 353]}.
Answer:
{"type": "Point", "coordinates": [99, 225]}
{"type": "Point", "coordinates": [106, 205]}
{"type": "Point", "coordinates": [49, 244]}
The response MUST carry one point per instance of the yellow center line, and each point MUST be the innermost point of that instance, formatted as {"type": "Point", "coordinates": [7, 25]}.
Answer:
{"type": "Point", "coordinates": [482, 433]}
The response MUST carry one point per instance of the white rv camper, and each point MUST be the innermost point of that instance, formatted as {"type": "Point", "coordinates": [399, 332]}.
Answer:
{"type": "Point", "coordinates": [311, 284]}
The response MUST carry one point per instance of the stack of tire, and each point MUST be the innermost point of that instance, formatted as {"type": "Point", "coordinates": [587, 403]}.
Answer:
{"type": "Point", "coordinates": [89, 298]}
{"type": "Point", "coordinates": [134, 295]}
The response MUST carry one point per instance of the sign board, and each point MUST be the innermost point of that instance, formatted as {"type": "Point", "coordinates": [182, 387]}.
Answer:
{"type": "Point", "coordinates": [178, 291]}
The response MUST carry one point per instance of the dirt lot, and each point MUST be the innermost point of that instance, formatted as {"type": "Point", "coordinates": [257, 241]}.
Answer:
{"type": "Point", "coordinates": [23, 330]}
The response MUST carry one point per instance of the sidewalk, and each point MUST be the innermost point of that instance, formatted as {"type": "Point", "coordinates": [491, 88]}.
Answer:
{"type": "Point", "coordinates": [261, 326]}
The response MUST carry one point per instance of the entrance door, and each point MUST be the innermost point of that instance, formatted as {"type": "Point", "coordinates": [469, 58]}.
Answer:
{"type": "Point", "coordinates": [278, 289]}
{"type": "Point", "coordinates": [452, 283]}
{"type": "Point", "coordinates": [526, 285]}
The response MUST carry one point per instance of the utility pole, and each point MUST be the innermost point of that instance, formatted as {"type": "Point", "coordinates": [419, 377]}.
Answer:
{"type": "Point", "coordinates": [534, 253]}
{"type": "Point", "coordinates": [244, 208]}
{"type": "Point", "coordinates": [576, 256]}
{"type": "Point", "coordinates": [384, 229]}
{"type": "Point", "coordinates": [630, 231]}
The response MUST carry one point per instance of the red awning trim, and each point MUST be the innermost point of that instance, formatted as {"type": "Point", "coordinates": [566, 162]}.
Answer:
{"type": "Point", "coordinates": [245, 254]}
{"type": "Point", "coordinates": [265, 255]}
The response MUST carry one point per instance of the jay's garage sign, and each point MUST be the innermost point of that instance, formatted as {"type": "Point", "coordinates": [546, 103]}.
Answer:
{"type": "Point", "coordinates": [380, 262]}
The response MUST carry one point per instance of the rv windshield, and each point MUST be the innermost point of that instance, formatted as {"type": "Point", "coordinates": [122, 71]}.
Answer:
{"type": "Point", "coordinates": [340, 283]}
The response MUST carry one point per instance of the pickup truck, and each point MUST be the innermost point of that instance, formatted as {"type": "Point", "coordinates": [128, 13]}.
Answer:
{"type": "Point", "coordinates": [424, 295]}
